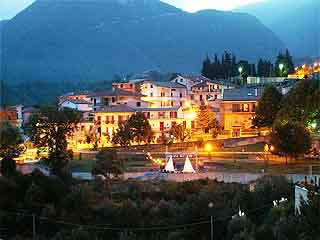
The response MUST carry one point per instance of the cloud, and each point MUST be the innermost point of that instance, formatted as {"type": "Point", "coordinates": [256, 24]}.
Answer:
{"type": "Point", "coordinates": [9, 8]}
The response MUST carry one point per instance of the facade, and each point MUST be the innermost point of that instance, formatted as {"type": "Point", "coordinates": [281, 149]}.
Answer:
{"type": "Point", "coordinates": [100, 100]}
{"type": "Point", "coordinates": [164, 94]}
{"type": "Point", "coordinates": [9, 115]}
{"type": "Point", "coordinates": [160, 119]}
{"type": "Point", "coordinates": [264, 80]}
{"type": "Point", "coordinates": [77, 104]}
{"type": "Point", "coordinates": [80, 95]}
{"type": "Point", "coordinates": [237, 109]}
{"type": "Point", "coordinates": [189, 80]}
{"type": "Point", "coordinates": [206, 92]}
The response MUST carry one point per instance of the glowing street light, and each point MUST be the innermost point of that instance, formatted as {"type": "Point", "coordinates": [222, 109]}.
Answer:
{"type": "Point", "coordinates": [281, 66]}
{"type": "Point", "coordinates": [240, 69]}
{"type": "Point", "coordinates": [208, 147]}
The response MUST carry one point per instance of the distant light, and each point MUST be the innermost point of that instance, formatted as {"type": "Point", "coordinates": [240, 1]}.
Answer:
{"type": "Point", "coordinates": [315, 64]}
{"type": "Point", "coordinates": [314, 125]}
{"type": "Point", "coordinates": [281, 66]}
{"type": "Point", "coordinates": [240, 69]}
{"type": "Point", "coordinates": [208, 147]}
{"type": "Point", "coordinates": [303, 66]}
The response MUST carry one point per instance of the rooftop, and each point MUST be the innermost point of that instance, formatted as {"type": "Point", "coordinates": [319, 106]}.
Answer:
{"type": "Point", "coordinates": [77, 101]}
{"type": "Point", "coordinates": [115, 93]}
{"type": "Point", "coordinates": [117, 108]}
{"type": "Point", "coordinates": [242, 94]}
{"type": "Point", "coordinates": [127, 109]}
{"type": "Point", "coordinates": [167, 84]}
{"type": "Point", "coordinates": [77, 93]}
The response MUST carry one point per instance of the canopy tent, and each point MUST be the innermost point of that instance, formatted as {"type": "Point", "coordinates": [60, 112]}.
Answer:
{"type": "Point", "coordinates": [169, 167]}
{"type": "Point", "coordinates": [188, 166]}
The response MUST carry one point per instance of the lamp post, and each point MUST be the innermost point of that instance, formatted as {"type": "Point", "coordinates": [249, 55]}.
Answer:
{"type": "Point", "coordinates": [210, 205]}
{"type": "Point", "coordinates": [281, 66]}
{"type": "Point", "coordinates": [240, 69]}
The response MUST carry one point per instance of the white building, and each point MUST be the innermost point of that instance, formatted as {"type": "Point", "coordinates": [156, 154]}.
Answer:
{"type": "Point", "coordinates": [117, 96]}
{"type": "Point", "coordinates": [77, 104]}
{"type": "Point", "coordinates": [164, 94]}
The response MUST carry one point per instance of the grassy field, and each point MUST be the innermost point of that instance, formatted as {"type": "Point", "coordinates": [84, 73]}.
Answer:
{"type": "Point", "coordinates": [130, 166]}
{"type": "Point", "coordinates": [82, 165]}
{"type": "Point", "coordinates": [259, 147]}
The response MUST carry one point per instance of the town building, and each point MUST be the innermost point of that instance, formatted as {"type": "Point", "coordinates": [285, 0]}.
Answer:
{"type": "Point", "coordinates": [79, 95]}
{"type": "Point", "coordinates": [189, 80]}
{"type": "Point", "coordinates": [164, 94]}
{"type": "Point", "coordinates": [237, 110]}
{"type": "Point", "coordinates": [116, 96]}
{"type": "Point", "coordinates": [204, 93]}
{"type": "Point", "coordinates": [81, 105]}
{"type": "Point", "coordinates": [10, 115]}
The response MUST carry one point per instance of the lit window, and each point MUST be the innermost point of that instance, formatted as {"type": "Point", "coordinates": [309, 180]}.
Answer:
{"type": "Point", "coordinates": [246, 107]}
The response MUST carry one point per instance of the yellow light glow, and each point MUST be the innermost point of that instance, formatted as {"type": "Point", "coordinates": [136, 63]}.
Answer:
{"type": "Point", "coordinates": [191, 115]}
{"type": "Point", "coordinates": [272, 148]}
{"type": "Point", "coordinates": [208, 147]}
{"type": "Point", "coordinates": [187, 104]}
{"type": "Point", "coordinates": [266, 148]}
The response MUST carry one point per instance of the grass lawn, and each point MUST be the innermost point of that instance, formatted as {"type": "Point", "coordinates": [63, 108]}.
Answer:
{"type": "Point", "coordinates": [82, 165]}
{"type": "Point", "coordinates": [87, 165]}
{"type": "Point", "coordinates": [258, 147]}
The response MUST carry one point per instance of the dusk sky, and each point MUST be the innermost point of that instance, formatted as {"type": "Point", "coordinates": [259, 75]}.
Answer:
{"type": "Point", "coordinates": [9, 8]}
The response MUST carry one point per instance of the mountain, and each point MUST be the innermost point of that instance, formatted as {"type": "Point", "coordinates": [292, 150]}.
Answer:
{"type": "Point", "coordinates": [91, 40]}
{"type": "Point", "coordinates": [296, 22]}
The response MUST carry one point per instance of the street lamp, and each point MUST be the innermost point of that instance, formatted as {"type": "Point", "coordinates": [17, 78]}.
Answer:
{"type": "Point", "coordinates": [314, 125]}
{"type": "Point", "coordinates": [281, 66]}
{"type": "Point", "coordinates": [240, 69]}
{"type": "Point", "coordinates": [210, 205]}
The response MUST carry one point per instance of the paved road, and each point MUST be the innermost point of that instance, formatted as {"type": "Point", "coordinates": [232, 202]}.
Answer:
{"type": "Point", "coordinates": [220, 176]}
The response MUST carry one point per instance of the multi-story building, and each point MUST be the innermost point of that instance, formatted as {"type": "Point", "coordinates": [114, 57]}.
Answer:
{"type": "Point", "coordinates": [160, 119]}
{"type": "Point", "coordinates": [237, 109]}
{"type": "Point", "coordinates": [204, 93]}
{"type": "Point", "coordinates": [9, 115]}
{"type": "Point", "coordinates": [80, 95]}
{"type": "Point", "coordinates": [189, 80]}
{"type": "Point", "coordinates": [81, 105]}
{"type": "Point", "coordinates": [117, 96]}
{"type": "Point", "coordinates": [164, 94]}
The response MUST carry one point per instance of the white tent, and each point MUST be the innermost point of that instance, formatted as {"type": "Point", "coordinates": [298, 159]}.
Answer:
{"type": "Point", "coordinates": [188, 166]}
{"type": "Point", "coordinates": [169, 167]}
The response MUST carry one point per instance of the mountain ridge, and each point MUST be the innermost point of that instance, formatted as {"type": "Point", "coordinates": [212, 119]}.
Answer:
{"type": "Point", "coordinates": [297, 23]}
{"type": "Point", "coordinates": [80, 40]}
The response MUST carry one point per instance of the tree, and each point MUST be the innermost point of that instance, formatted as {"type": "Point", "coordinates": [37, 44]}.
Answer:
{"type": "Point", "coordinates": [180, 133]}
{"type": "Point", "coordinates": [50, 128]}
{"type": "Point", "coordinates": [123, 135]}
{"type": "Point", "coordinates": [290, 139]}
{"type": "Point", "coordinates": [302, 103]}
{"type": "Point", "coordinates": [284, 64]}
{"type": "Point", "coordinates": [214, 128]}
{"type": "Point", "coordinates": [108, 164]}
{"type": "Point", "coordinates": [309, 217]}
{"type": "Point", "coordinates": [204, 119]}
{"type": "Point", "coordinates": [10, 140]}
{"type": "Point", "coordinates": [268, 106]}
{"type": "Point", "coordinates": [140, 128]}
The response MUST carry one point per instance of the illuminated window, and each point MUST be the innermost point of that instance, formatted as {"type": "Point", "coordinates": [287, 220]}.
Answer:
{"type": "Point", "coordinates": [246, 107]}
